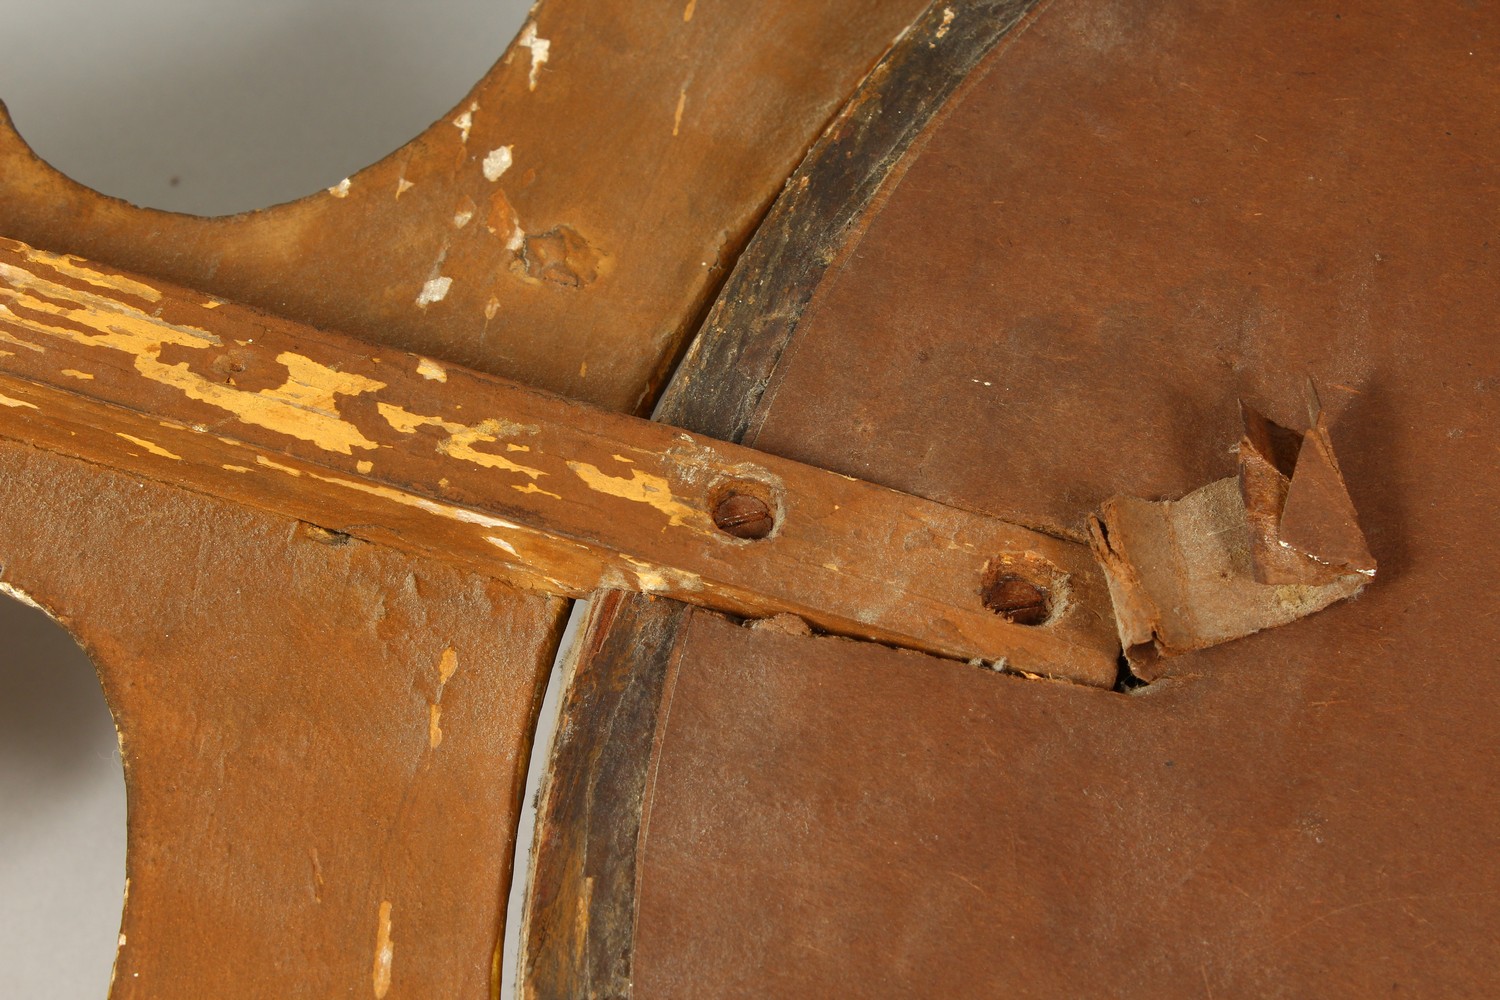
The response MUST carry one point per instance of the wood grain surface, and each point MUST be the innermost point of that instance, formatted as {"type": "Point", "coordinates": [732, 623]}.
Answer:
{"type": "Point", "coordinates": [579, 925]}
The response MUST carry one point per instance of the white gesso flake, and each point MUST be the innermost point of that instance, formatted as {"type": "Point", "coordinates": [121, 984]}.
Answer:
{"type": "Point", "coordinates": [435, 290]}
{"type": "Point", "coordinates": [497, 163]}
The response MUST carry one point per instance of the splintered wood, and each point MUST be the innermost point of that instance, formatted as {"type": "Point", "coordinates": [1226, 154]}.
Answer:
{"type": "Point", "coordinates": [544, 493]}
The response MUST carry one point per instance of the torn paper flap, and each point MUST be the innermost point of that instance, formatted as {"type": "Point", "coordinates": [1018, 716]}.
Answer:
{"type": "Point", "coordinates": [1302, 523]}
{"type": "Point", "coordinates": [1274, 544]}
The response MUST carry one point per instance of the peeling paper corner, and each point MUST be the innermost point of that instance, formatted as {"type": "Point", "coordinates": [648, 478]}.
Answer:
{"type": "Point", "coordinates": [1304, 529]}
{"type": "Point", "coordinates": [1275, 543]}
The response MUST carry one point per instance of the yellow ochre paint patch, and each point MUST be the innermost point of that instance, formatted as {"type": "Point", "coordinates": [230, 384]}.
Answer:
{"type": "Point", "coordinates": [641, 487]}
{"type": "Point", "coordinates": [71, 266]}
{"type": "Point", "coordinates": [150, 446]}
{"type": "Point", "coordinates": [385, 952]}
{"type": "Point", "coordinates": [534, 488]}
{"type": "Point", "coordinates": [462, 438]}
{"type": "Point", "coordinates": [303, 407]}
{"type": "Point", "coordinates": [268, 463]}
{"type": "Point", "coordinates": [405, 499]}
{"type": "Point", "coordinates": [447, 667]}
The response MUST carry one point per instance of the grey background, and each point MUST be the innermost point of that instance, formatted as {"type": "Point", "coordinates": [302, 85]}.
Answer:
{"type": "Point", "coordinates": [210, 108]}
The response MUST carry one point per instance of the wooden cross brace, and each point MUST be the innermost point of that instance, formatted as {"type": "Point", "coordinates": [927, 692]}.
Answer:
{"type": "Point", "coordinates": [520, 485]}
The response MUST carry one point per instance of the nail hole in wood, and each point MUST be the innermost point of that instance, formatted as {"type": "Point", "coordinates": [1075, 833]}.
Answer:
{"type": "Point", "coordinates": [738, 511]}
{"type": "Point", "coordinates": [1017, 599]}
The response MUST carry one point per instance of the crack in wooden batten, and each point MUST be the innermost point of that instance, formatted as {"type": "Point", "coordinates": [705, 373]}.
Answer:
{"type": "Point", "coordinates": [543, 492]}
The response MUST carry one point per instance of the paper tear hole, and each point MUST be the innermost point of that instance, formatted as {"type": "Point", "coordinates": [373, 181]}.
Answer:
{"type": "Point", "coordinates": [1126, 682]}
{"type": "Point", "coordinates": [323, 536]}
{"type": "Point", "coordinates": [1016, 599]}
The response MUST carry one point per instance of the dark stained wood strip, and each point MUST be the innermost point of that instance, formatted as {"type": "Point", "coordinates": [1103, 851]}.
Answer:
{"type": "Point", "coordinates": [581, 901]}
{"type": "Point", "coordinates": [538, 491]}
